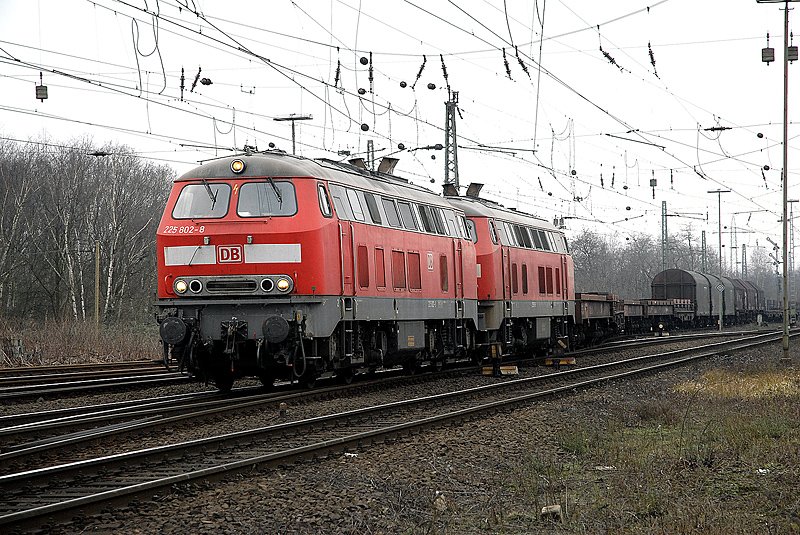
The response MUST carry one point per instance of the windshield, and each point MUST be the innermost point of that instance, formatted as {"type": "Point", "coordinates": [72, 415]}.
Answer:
{"type": "Point", "coordinates": [202, 201]}
{"type": "Point", "coordinates": [268, 198]}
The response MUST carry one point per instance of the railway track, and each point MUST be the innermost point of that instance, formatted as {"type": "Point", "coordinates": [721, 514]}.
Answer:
{"type": "Point", "coordinates": [21, 387]}
{"type": "Point", "coordinates": [76, 368]}
{"type": "Point", "coordinates": [38, 495]}
{"type": "Point", "coordinates": [25, 437]}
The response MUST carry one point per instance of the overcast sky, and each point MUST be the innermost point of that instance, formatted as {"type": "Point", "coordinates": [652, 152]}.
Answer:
{"type": "Point", "coordinates": [594, 105]}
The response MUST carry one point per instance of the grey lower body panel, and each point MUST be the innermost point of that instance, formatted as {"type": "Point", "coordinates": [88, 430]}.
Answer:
{"type": "Point", "coordinates": [492, 313]}
{"type": "Point", "coordinates": [320, 314]}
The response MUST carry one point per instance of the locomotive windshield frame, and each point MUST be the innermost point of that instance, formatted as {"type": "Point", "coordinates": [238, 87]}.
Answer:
{"type": "Point", "coordinates": [260, 199]}
{"type": "Point", "coordinates": [202, 201]}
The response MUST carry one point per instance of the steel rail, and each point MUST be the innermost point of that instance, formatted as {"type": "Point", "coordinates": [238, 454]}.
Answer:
{"type": "Point", "coordinates": [17, 392]}
{"type": "Point", "coordinates": [71, 486]}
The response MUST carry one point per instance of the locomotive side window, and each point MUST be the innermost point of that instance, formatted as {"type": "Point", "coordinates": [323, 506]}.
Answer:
{"type": "Point", "coordinates": [372, 206]}
{"type": "Point", "coordinates": [355, 204]}
{"type": "Point", "coordinates": [201, 201]}
{"type": "Point", "coordinates": [414, 274]}
{"type": "Point", "coordinates": [340, 202]}
{"type": "Point", "coordinates": [324, 203]}
{"type": "Point", "coordinates": [266, 199]}
{"type": "Point", "coordinates": [438, 220]}
{"type": "Point", "coordinates": [392, 217]}
{"type": "Point", "coordinates": [524, 236]}
{"type": "Point", "coordinates": [409, 221]}
{"type": "Point", "coordinates": [537, 242]}
{"type": "Point", "coordinates": [543, 239]}
{"type": "Point", "coordinates": [398, 270]}
{"type": "Point", "coordinates": [380, 268]}
{"type": "Point", "coordinates": [450, 218]}
{"type": "Point", "coordinates": [509, 234]}
{"type": "Point", "coordinates": [363, 266]}
{"type": "Point", "coordinates": [426, 218]}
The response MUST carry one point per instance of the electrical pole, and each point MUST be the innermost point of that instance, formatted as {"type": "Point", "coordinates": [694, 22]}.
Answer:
{"type": "Point", "coordinates": [787, 52]}
{"type": "Point", "coordinates": [664, 235]}
{"type": "Point", "coordinates": [293, 117]}
{"type": "Point", "coordinates": [704, 268]}
{"type": "Point", "coordinates": [721, 287]}
{"type": "Point", "coordinates": [450, 141]}
{"type": "Point", "coordinates": [744, 261]}
{"type": "Point", "coordinates": [371, 154]}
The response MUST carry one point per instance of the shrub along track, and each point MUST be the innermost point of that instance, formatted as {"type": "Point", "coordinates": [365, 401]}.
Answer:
{"type": "Point", "coordinates": [36, 495]}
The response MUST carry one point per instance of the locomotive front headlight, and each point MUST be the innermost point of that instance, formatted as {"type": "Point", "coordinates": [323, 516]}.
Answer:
{"type": "Point", "coordinates": [283, 284]}
{"type": "Point", "coordinates": [237, 166]}
{"type": "Point", "coordinates": [196, 286]}
{"type": "Point", "coordinates": [181, 286]}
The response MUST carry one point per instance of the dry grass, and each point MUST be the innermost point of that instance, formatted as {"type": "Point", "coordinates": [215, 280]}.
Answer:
{"type": "Point", "coordinates": [719, 455]}
{"type": "Point", "coordinates": [730, 384]}
{"type": "Point", "coordinates": [71, 342]}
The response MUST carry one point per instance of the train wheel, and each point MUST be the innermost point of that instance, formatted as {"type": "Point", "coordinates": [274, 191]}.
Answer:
{"type": "Point", "coordinates": [224, 382]}
{"type": "Point", "coordinates": [308, 379]}
{"type": "Point", "coordinates": [168, 358]}
{"type": "Point", "coordinates": [267, 380]}
{"type": "Point", "coordinates": [345, 375]}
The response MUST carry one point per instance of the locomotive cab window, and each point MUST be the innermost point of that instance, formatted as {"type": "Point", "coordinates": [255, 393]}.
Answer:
{"type": "Point", "coordinates": [472, 232]}
{"type": "Point", "coordinates": [266, 199]}
{"type": "Point", "coordinates": [492, 232]}
{"type": "Point", "coordinates": [324, 203]}
{"type": "Point", "coordinates": [202, 201]}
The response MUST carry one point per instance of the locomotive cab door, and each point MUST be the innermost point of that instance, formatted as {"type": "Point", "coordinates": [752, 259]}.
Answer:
{"type": "Point", "coordinates": [346, 256]}
{"type": "Point", "coordinates": [458, 269]}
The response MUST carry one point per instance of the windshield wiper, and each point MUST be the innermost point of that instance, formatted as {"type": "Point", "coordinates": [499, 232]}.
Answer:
{"type": "Point", "coordinates": [277, 192]}
{"type": "Point", "coordinates": [210, 193]}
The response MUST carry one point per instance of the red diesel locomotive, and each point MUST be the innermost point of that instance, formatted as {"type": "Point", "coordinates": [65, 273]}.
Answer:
{"type": "Point", "coordinates": [282, 267]}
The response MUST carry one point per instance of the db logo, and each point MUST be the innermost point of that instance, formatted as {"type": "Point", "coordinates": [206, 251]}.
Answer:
{"type": "Point", "coordinates": [230, 254]}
